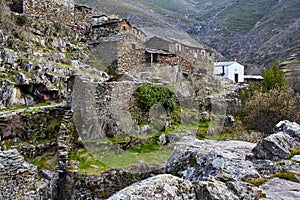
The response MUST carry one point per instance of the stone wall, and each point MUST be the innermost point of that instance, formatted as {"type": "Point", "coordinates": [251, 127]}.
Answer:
{"type": "Point", "coordinates": [57, 10]}
{"type": "Point", "coordinates": [114, 26]}
{"type": "Point", "coordinates": [201, 59]}
{"type": "Point", "coordinates": [171, 60]}
{"type": "Point", "coordinates": [20, 180]}
{"type": "Point", "coordinates": [113, 102]}
{"type": "Point", "coordinates": [121, 52]}
{"type": "Point", "coordinates": [33, 132]}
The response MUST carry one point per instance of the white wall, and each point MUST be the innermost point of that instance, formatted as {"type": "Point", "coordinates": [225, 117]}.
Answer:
{"type": "Point", "coordinates": [233, 69]}
{"type": "Point", "coordinates": [230, 71]}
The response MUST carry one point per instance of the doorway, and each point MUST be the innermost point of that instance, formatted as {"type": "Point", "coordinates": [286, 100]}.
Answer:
{"type": "Point", "coordinates": [236, 78]}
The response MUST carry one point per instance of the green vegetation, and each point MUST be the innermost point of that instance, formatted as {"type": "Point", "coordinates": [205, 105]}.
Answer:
{"type": "Point", "coordinates": [265, 104]}
{"type": "Point", "coordinates": [258, 182]}
{"type": "Point", "coordinates": [291, 176]}
{"type": "Point", "coordinates": [83, 161]}
{"type": "Point", "coordinates": [150, 95]}
{"type": "Point", "coordinates": [45, 161]}
{"type": "Point", "coordinates": [21, 20]}
{"type": "Point", "coordinates": [147, 147]}
{"type": "Point", "coordinates": [128, 158]}
{"type": "Point", "coordinates": [295, 151]}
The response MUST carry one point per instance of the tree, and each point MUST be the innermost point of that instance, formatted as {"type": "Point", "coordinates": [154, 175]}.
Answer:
{"type": "Point", "coordinates": [273, 78]}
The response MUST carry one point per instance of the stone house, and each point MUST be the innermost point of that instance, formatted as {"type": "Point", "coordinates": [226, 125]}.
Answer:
{"type": "Point", "coordinates": [231, 70]}
{"type": "Point", "coordinates": [103, 27]}
{"type": "Point", "coordinates": [163, 58]}
{"type": "Point", "coordinates": [201, 59]}
{"type": "Point", "coordinates": [119, 52]}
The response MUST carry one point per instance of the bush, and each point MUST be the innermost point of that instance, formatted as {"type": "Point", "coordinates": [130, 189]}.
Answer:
{"type": "Point", "coordinates": [264, 110]}
{"type": "Point", "coordinates": [150, 95]}
{"type": "Point", "coordinates": [265, 104]}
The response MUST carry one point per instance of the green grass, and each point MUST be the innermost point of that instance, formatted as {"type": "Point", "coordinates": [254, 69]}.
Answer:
{"type": "Point", "coordinates": [291, 176]}
{"type": "Point", "coordinates": [95, 161]}
{"type": "Point", "coordinates": [257, 182]}
{"type": "Point", "coordinates": [87, 162]}
{"type": "Point", "coordinates": [45, 162]}
{"type": "Point", "coordinates": [295, 151]}
{"type": "Point", "coordinates": [130, 158]}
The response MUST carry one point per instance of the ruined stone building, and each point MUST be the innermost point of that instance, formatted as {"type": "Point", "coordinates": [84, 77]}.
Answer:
{"type": "Point", "coordinates": [102, 26]}
{"type": "Point", "coordinates": [120, 45]}
{"type": "Point", "coordinates": [62, 11]}
{"type": "Point", "coordinates": [201, 59]}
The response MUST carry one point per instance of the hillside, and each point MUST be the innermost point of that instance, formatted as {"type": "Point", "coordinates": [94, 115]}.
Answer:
{"type": "Point", "coordinates": [254, 32]}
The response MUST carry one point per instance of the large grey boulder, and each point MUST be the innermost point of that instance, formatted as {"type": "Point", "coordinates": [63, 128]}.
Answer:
{"type": "Point", "coordinates": [290, 128]}
{"type": "Point", "coordinates": [233, 190]}
{"type": "Point", "coordinates": [279, 189]}
{"type": "Point", "coordinates": [197, 160]}
{"type": "Point", "coordinates": [275, 147]}
{"type": "Point", "coordinates": [156, 188]}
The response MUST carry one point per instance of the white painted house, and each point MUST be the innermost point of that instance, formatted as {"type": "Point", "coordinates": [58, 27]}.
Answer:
{"type": "Point", "coordinates": [231, 70]}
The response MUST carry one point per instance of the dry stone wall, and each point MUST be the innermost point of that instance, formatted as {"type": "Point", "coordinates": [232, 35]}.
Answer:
{"type": "Point", "coordinates": [20, 180]}
{"type": "Point", "coordinates": [51, 9]}
{"type": "Point", "coordinates": [113, 101]}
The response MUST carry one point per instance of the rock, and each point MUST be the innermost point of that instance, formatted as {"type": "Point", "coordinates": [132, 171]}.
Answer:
{"type": "Point", "coordinates": [296, 158]}
{"type": "Point", "coordinates": [197, 160]}
{"type": "Point", "coordinates": [214, 189]}
{"type": "Point", "coordinates": [156, 188]}
{"type": "Point", "coordinates": [274, 147]}
{"type": "Point", "coordinates": [278, 189]}
{"type": "Point", "coordinates": [162, 139]}
{"type": "Point", "coordinates": [290, 128]}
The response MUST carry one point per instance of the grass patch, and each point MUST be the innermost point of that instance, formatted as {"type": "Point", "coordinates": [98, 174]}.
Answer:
{"type": "Point", "coordinates": [146, 148]}
{"type": "Point", "coordinates": [295, 151]}
{"type": "Point", "coordinates": [45, 162]}
{"type": "Point", "coordinates": [131, 158]}
{"type": "Point", "coordinates": [87, 163]}
{"type": "Point", "coordinates": [291, 176]}
{"type": "Point", "coordinates": [257, 182]}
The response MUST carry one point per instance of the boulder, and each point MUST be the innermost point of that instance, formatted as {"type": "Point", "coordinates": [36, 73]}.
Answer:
{"type": "Point", "coordinates": [197, 160]}
{"type": "Point", "coordinates": [236, 190]}
{"type": "Point", "coordinates": [290, 128]}
{"type": "Point", "coordinates": [156, 188]}
{"type": "Point", "coordinates": [275, 147]}
{"type": "Point", "coordinates": [278, 189]}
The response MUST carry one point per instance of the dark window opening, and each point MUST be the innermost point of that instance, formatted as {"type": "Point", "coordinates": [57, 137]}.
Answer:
{"type": "Point", "coordinates": [223, 71]}
{"type": "Point", "coordinates": [236, 78]}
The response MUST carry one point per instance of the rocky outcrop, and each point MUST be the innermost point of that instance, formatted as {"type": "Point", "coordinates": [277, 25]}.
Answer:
{"type": "Point", "coordinates": [278, 146]}
{"type": "Point", "coordinates": [275, 147]}
{"type": "Point", "coordinates": [290, 128]}
{"type": "Point", "coordinates": [278, 189]}
{"type": "Point", "coordinates": [235, 190]}
{"type": "Point", "coordinates": [159, 187]}
{"type": "Point", "coordinates": [197, 160]}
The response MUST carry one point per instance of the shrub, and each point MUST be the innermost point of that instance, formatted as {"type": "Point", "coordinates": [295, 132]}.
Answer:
{"type": "Point", "coordinates": [265, 104]}
{"type": "Point", "coordinates": [150, 95]}
{"type": "Point", "coordinates": [153, 96]}
{"type": "Point", "coordinates": [264, 110]}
